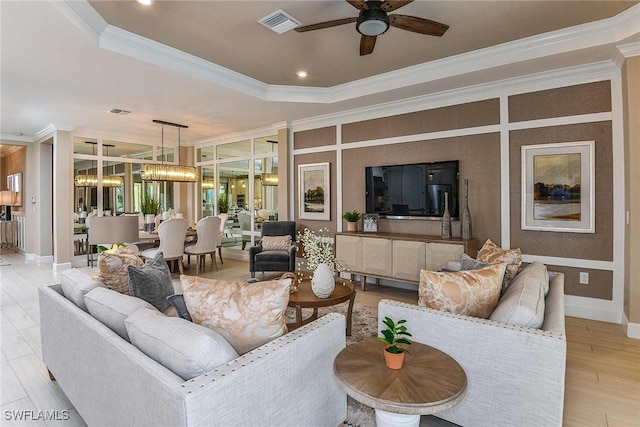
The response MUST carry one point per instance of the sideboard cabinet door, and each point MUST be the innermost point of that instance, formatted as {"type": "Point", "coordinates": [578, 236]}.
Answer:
{"type": "Point", "coordinates": [439, 254]}
{"type": "Point", "coordinates": [376, 257]}
{"type": "Point", "coordinates": [408, 259]}
{"type": "Point", "coordinates": [349, 251]}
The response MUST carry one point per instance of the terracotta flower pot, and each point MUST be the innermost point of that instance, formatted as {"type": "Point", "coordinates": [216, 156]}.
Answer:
{"type": "Point", "coordinates": [393, 360]}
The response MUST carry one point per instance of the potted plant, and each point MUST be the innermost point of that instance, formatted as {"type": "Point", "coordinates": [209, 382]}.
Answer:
{"type": "Point", "coordinates": [394, 334]}
{"type": "Point", "coordinates": [223, 203]}
{"type": "Point", "coordinates": [352, 220]}
{"type": "Point", "coordinates": [150, 207]}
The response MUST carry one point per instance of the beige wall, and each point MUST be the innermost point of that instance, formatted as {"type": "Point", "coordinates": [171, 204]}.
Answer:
{"type": "Point", "coordinates": [631, 104]}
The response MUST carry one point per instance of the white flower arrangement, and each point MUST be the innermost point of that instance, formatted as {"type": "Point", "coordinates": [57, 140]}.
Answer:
{"type": "Point", "coordinates": [318, 249]}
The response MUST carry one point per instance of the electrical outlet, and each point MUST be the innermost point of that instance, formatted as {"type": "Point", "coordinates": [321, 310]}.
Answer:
{"type": "Point", "coordinates": [584, 278]}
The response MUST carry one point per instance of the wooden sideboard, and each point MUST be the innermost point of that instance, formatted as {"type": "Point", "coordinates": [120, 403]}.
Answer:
{"type": "Point", "coordinates": [398, 256]}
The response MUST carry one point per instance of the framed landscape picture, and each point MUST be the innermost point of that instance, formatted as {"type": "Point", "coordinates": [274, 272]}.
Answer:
{"type": "Point", "coordinates": [558, 189]}
{"type": "Point", "coordinates": [315, 192]}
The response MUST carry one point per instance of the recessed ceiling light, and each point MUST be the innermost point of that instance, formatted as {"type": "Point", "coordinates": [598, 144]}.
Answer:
{"type": "Point", "coordinates": [302, 74]}
{"type": "Point", "coordinates": [146, 2]}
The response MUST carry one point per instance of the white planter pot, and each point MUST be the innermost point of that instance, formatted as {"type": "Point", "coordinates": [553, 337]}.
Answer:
{"type": "Point", "coordinates": [323, 282]}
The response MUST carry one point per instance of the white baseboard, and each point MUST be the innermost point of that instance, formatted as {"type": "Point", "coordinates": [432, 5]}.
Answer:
{"type": "Point", "coordinates": [592, 308]}
{"type": "Point", "coordinates": [46, 259]}
{"type": "Point", "coordinates": [633, 329]}
{"type": "Point", "coordinates": [62, 266]}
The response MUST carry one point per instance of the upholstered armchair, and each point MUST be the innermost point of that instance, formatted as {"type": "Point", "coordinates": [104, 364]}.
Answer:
{"type": "Point", "coordinates": [270, 256]}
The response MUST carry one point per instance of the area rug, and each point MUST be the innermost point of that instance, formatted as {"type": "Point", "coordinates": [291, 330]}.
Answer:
{"type": "Point", "coordinates": [4, 262]}
{"type": "Point", "coordinates": [363, 325]}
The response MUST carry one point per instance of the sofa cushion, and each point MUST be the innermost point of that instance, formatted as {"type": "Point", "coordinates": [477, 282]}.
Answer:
{"type": "Point", "coordinates": [112, 308]}
{"type": "Point", "coordinates": [75, 285]}
{"type": "Point", "coordinates": [523, 302]}
{"type": "Point", "coordinates": [152, 282]}
{"type": "Point", "coordinates": [246, 314]}
{"type": "Point", "coordinates": [186, 349]}
{"type": "Point", "coordinates": [276, 243]}
{"type": "Point", "coordinates": [491, 253]}
{"type": "Point", "coordinates": [471, 292]}
{"type": "Point", "coordinates": [113, 268]}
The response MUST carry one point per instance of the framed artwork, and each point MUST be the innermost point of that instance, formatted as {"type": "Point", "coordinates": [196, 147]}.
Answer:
{"type": "Point", "coordinates": [315, 192]}
{"type": "Point", "coordinates": [558, 187]}
{"type": "Point", "coordinates": [370, 223]}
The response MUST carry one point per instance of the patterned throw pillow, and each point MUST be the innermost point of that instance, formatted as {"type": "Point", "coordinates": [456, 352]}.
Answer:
{"type": "Point", "coordinates": [113, 266]}
{"type": "Point", "coordinates": [245, 314]}
{"type": "Point", "coordinates": [152, 282]}
{"type": "Point", "coordinates": [472, 293]}
{"type": "Point", "coordinates": [494, 254]}
{"type": "Point", "coordinates": [276, 243]}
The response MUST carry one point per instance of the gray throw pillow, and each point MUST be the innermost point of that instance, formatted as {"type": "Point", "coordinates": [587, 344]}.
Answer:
{"type": "Point", "coordinates": [468, 263]}
{"type": "Point", "coordinates": [177, 301]}
{"type": "Point", "coordinates": [152, 282]}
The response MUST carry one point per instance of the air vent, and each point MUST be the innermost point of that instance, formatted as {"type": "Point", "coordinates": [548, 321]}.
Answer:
{"type": "Point", "coordinates": [119, 111]}
{"type": "Point", "coordinates": [279, 21]}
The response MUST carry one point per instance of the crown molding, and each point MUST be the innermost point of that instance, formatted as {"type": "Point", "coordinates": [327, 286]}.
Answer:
{"type": "Point", "coordinates": [569, 76]}
{"type": "Point", "coordinates": [593, 34]}
{"type": "Point", "coordinates": [45, 133]}
{"type": "Point", "coordinates": [630, 49]}
{"type": "Point", "coordinates": [14, 139]}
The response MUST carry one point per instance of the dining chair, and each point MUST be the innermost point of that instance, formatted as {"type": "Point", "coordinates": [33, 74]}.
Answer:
{"type": "Point", "coordinates": [244, 219]}
{"type": "Point", "coordinates": [171, 233]}
{"type": "Point", "coordinates": [107, 230]}
{"type": "Point", "coordinates": [209, 239]}
{"type": "Point", "coordinates": [224, 217]}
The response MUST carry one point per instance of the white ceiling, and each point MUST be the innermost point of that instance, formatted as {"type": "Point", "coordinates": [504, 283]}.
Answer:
{"type": "Point", "coordinates": [220, 72]}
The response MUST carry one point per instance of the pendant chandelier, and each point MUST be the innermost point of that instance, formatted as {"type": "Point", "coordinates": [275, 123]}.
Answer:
{"type": "Point", "coordinates": [269, 179]}
{"type": "Point", "coordinates": [91, 180]}
{"type": "Point", "coordinates": [167, 172]}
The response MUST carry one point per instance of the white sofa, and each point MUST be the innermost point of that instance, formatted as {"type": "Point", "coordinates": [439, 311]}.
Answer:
{"type": "Point", "coordinates": [515, 375]}
{"type": "Point", "coordinates": [286, 382]}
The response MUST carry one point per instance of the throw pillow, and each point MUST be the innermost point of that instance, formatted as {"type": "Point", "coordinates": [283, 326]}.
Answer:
{"type": "Point", "coordinates": [494, 254]}
{"type": "Point", "coordinates": [111, 308]}
{"type": "Point", "coordinates": [177, 302]}
{"type": "Point", "coordinates": [186, 349]}
{"type": "Point", "coordinates": [152, 282]}
{"type": "Point", "coordinates": [76, 284]}
{"type": "Point", "coordinates": [473, 292]}
{"type": "Point", "coordinates": [113, 266]}
{"type": "Point", "coordinates": [523, 303]}
{"type": "Point", "coordinates": [276, 243]}
{"type": "Point", "coordinates": [468, 263]}
{"type": "Point", "coordinates": [246, 314]}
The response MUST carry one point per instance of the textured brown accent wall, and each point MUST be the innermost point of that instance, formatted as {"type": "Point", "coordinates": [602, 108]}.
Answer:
{"type": "Point", "coordinates": [479, 157]}
{"type": "Point", "coordinates": [566, 101]}
{"type": "Point", "coordinates": [13, 163]}
{"type": "Point", "coordinates": [479, 113]}
{"type": "Point", "coordinates": [594, 246]}
{"type": "Point", "coordinates": [314, 138]}
{"type": "Point", "coordinates": [600, 282]}
{"type": "Point", "coordinates": [317, 158]}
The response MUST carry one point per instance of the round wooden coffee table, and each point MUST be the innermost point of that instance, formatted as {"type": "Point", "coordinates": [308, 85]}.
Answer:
{"type": "Point", "coordinates": [429, 381]}
{"type": "Point", "coordinates": [305, 298]}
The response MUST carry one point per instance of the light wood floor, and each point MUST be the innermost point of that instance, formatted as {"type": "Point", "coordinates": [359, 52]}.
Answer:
{"type": "Point", "coordinates": [603, 365]}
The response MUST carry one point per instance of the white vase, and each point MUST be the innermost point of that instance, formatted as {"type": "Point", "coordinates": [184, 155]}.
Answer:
{"type": "Point", "coordinates": [323, 283]}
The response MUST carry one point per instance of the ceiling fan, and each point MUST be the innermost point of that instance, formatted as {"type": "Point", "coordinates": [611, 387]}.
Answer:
{"type": "Point", "coordinates": [374, 20]}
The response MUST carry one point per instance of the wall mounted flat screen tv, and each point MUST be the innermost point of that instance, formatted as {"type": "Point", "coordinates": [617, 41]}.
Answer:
{"type": "Point", "coordinates": [412, 190]}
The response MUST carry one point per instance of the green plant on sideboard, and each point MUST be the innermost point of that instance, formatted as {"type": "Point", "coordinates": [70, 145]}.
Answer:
{"type": "Point", "coordinates": [352, 216]}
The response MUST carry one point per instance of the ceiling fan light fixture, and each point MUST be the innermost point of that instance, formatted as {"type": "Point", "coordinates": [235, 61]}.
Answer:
{"type": "Point", "coordinates": [372, 22]}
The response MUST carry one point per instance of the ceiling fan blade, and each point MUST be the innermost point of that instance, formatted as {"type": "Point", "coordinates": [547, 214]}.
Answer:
{"type": "Point", "coordinates": [327, 24]}
{"type": "Point", "coordinates": [391, 5]}
{"type": "Point", "coordinates": [367, 43]}
{"type": "Point", "coordinates": [418, 25]}
{"type": "Point", "coordinates": [359, 4]}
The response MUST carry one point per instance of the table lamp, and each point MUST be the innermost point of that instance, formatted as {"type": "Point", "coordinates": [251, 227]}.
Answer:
{"type": "Point", "coordinates": [7, 199]}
